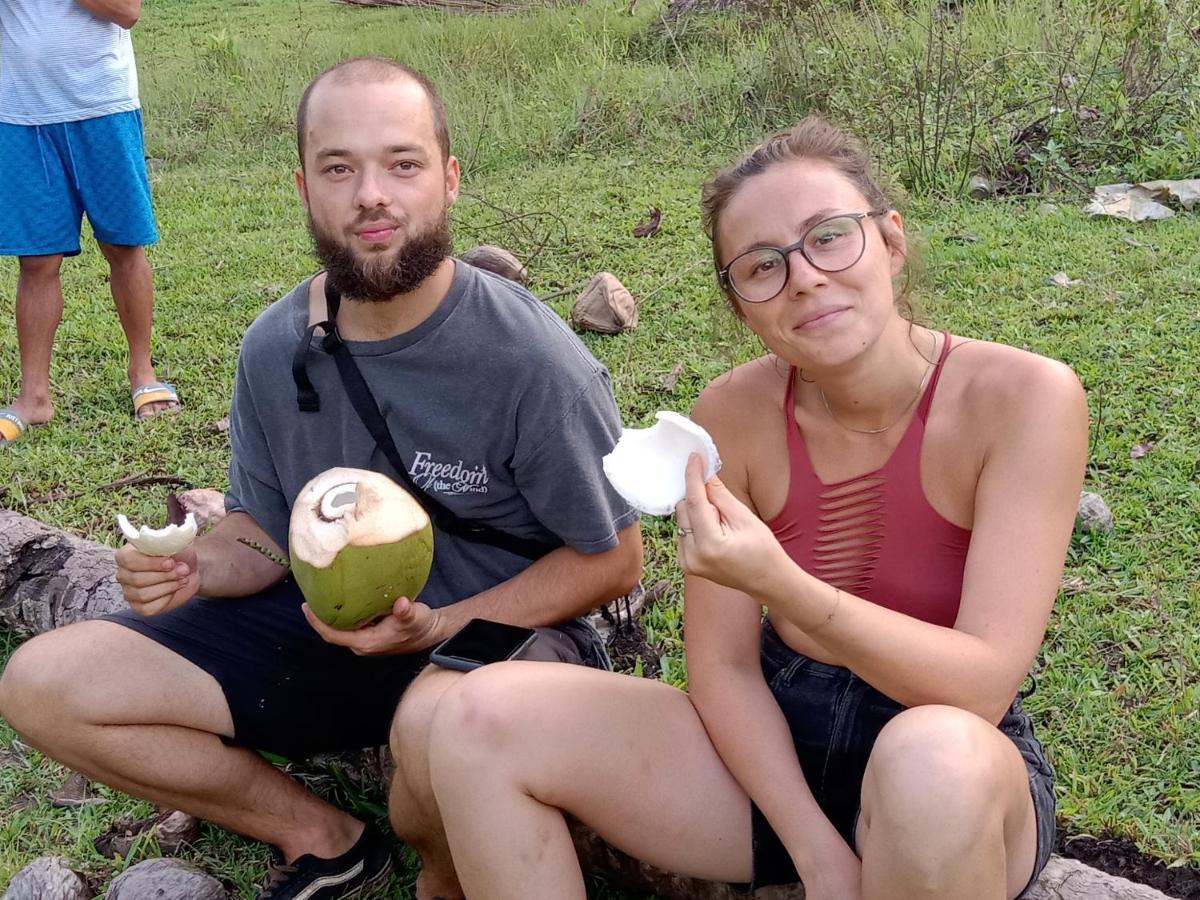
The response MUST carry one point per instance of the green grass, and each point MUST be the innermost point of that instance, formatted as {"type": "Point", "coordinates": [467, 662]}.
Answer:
{"type": "Point", "coordinates": [572, 121]}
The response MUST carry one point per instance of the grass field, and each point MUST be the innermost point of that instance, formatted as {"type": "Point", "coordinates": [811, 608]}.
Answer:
{"type": "Point", "coordinates": [571, 122]}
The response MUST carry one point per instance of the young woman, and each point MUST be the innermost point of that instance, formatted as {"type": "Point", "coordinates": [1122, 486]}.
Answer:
{"type": "Point", "coordinates": [900, 500]}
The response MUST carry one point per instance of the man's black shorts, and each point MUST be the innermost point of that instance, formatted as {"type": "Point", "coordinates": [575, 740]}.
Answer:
{"type": "Point", "coordinates": [289, 691]}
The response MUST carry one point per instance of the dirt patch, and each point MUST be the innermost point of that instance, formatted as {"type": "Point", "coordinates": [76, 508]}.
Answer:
{"type": "Point", "coordinates": [1120, 856]}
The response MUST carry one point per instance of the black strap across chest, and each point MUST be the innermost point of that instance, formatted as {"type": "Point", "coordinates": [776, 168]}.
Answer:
{"type": "Point", "coordinates": [364, 404]}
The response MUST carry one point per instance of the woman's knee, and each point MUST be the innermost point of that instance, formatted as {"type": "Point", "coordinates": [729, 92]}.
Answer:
{"type": "Point", "coordinates": [480, 711]}
{"type": "Point", "coordinates": [933, 761]}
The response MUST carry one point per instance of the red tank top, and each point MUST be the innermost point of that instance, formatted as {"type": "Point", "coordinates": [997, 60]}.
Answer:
{"type": "Point", "coordinates": [875, 535]}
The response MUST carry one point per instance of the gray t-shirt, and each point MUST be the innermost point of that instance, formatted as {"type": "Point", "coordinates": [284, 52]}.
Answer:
{"type": "Point", "coordinates": [498, 409]}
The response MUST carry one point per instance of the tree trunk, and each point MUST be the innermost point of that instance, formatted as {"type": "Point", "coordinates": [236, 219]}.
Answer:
{"type": "Point", "coordinates": [49, 578]}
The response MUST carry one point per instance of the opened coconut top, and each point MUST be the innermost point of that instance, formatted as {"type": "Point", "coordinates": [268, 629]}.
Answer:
{"type": "Point", "coordinates": [351, 507]}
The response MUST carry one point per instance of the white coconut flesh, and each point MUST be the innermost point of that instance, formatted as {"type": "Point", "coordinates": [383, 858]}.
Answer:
{"type": "Point", "coordinates": [159, 541]}
{"type": "Point", "coordinates": [350, 508]}
{"type": "Point", "coordinates": [647, 466]}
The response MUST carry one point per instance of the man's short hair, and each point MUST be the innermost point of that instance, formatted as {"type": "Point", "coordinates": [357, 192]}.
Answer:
{"type": "Point", "coordinates": [368, 69]}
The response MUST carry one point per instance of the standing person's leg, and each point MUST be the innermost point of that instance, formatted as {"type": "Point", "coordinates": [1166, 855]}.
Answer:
{"type": "Point", "coordinates": [516, 745]}
{"type": "Point", "coordinates": [132, 285]}
{"type": "Point", "coordinates": [39, 223]}
{"type": "Point", "coordinates": [39, 311]}
{"type": "Point", "coordinates": [109, 162]}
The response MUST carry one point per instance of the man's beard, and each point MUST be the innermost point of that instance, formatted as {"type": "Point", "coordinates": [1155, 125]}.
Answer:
{"type": "Point", "coordinates": [380, 278]}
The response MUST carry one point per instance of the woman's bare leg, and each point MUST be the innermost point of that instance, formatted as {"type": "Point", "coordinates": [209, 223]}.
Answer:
{"type": "Point", "coordinates": [515, 745]}
{"type": "Point", "coordinates": [946, 810]}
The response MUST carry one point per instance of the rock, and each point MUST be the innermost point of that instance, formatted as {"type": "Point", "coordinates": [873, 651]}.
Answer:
{"type": "Point", "coordinates": [497, 260]}
{"type": "Point", "coordinates": [164, 879]}
{"type": "Point", "coordinates": [979, 188]}
{"type": "Point", "coordinates": [206, 504]}
{"type": "Point", "coordinates": [46, 878]}
{"type": "Point", "coordinates": [73, 793]}
{"type": "Point", "coordinates": [1093, 514]}
{"type": "Point", "coordinates": [605, 305]}
{"type": "Point", "coordinates": [171, 829]}
{"type": "Point", "coordinates": [175, 831]}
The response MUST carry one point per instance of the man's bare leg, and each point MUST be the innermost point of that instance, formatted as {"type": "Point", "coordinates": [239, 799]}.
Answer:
{"type": "Point", "coordinates": [131, 714]}
{"type": "Point", "coordinates": [39, 310]}
{"type": "Point", "coordinates": [132, 284]}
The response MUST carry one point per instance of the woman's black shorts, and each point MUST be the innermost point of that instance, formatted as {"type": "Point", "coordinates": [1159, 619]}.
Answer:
{"type": "Point", "coordinates": [835, 717]}
{"type": "Point", "coordinates": [289, 691]}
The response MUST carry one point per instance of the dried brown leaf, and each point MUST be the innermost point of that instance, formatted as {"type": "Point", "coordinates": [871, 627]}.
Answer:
{"type": "Point", "coordinates": [650, 225]}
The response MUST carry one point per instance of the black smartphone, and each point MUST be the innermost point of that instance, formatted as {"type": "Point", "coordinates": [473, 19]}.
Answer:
{"type": "Point", "coordinates": [480, 642]}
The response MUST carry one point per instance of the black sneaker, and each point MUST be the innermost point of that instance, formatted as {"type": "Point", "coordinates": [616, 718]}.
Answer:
{"type": "Point", "coordinates": [355, 873]}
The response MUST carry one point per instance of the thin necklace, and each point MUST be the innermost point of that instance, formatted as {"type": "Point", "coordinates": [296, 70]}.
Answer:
{"type": "Point", "coordinates": [896, 421]}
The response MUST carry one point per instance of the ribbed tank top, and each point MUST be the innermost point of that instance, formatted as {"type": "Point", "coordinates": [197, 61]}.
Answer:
{"type": "Point", "coordinates": [875, 535]}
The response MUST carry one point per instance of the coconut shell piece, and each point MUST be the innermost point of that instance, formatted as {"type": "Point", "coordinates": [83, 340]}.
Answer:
{"type": "Point", "coordinates": [498, 260]}
{"type": "Point", "coordinates": [164, 879]}
{"type": "Point", "coordinates": [605, 305]}
{"type": "Point", "coordinates": [47, 878]}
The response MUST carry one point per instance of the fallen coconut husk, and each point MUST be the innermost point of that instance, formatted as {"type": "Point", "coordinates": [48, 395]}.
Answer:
{"type": "Point", "coordinates": [605, 305]}
{"type": "Point", "coordinates": [47, 878]}
{"type": "Point", "coordinates": [498, 260]}
{"type": "Point", "coordinates": [164, 879]}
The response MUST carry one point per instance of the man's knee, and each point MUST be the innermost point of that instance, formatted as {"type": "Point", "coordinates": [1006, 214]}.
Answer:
{"type": "Point", "coordinates": [41, 268]}
{"type": "Point", "coordinates": [34, 684]}
{"type": "Point", "coordinates": [124, 256]}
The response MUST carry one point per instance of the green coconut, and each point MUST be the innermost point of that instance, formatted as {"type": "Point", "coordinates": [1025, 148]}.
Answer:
{"type": "Point", "coordinates": [358, 541]}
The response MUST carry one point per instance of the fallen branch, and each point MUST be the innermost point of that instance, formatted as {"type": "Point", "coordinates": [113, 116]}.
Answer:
{"type": "Point", "coordinates": [49, 578]}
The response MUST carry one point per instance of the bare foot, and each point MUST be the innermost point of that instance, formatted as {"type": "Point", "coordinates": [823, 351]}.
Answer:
{"type": "Point", "coordinates": [438, 886]}
{"type": "Point", "coordinates": [32, 411]}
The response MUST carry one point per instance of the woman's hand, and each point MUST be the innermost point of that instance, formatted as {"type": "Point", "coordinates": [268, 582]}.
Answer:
{"type": "Point", "coordinates": [720, 538]}
{"type": "Point", "coordinates": [838, 876]}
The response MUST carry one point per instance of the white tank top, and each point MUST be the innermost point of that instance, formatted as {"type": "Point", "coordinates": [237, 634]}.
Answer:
{"type": "Point", "coordinates": [61, 63]}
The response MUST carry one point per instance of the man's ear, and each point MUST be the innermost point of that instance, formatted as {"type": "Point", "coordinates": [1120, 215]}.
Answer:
{"type": "Point", "coordinates": [301, 186]}
{"type": "Point", "coordinates": [453, 179]}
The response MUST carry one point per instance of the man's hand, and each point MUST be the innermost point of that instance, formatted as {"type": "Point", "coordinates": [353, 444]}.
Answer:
{"type": "Point", "coordinates": [124, 12]}
{"type": "Point", "coordinates": [155, 584]}
{"type": "Point", "coordinates": [409, 627]}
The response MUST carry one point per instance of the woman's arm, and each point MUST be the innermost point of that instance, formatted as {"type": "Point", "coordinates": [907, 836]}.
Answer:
{"type": "Point", "coordinates": [722, 631]}
{"type": "Point", "coordinates": [745, 724]}
{"type": "Point", "coordinates": [1025, 505]}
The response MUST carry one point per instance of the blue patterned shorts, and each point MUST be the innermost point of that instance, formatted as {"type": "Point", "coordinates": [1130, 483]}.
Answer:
{"type": "Point", "coordinates": [54, 174]}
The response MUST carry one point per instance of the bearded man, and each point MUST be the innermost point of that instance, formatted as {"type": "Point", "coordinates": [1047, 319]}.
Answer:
{"type": "Point", "coordinates": [472, 375]}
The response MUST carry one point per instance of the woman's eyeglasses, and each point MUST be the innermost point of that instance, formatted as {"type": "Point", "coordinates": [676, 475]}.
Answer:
{"type": "Point", "coordinates": [832, 245]}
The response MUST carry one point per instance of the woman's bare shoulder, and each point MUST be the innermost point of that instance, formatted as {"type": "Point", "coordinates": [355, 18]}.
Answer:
{"type": "Point", "coordinates": [1004, 383]}
{"type": "Point", "coordinates": [743, 392]}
